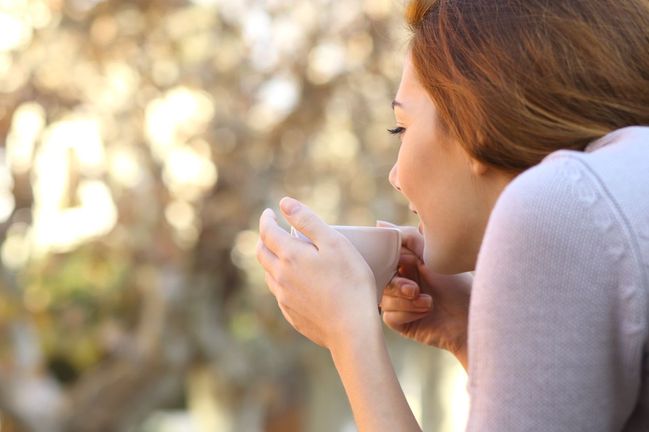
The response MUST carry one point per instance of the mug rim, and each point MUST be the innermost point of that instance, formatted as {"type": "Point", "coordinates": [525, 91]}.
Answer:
{"type": "Point", "coordinates": [364, 228]}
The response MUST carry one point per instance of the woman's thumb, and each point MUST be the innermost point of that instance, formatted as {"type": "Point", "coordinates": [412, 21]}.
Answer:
{"type": "Point", "coordinates": [381, 223]}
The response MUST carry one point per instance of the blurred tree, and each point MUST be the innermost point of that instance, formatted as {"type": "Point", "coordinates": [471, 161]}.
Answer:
{"type": "Point", "coordinates": [140, 142]}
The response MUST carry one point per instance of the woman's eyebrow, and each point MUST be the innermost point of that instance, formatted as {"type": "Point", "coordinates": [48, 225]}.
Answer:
{"type": "Point", "coordinates": [396, 103]}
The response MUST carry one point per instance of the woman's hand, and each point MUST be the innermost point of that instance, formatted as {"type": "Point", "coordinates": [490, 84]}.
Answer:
{"type": "Point", "coordinates": [325, 290]}
{"type": "Point", "coordinates": [427, 307]}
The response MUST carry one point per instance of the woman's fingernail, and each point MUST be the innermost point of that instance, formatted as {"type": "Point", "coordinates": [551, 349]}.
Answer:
{"type": "Point", "coordinates": [289, 205]}
{"type": "Point", "coordinates": [424, 301]}
{"type": "Point", "coordinates": [384, 223]}
{"type": "Point", "coordinates": [408, 290]}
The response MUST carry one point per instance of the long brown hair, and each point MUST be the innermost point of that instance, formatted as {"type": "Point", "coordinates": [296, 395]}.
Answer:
{"type": "Point", "coordinates": [516, 80]}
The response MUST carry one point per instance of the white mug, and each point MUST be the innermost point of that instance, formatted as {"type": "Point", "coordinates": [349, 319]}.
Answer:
{"type": "Point", "coordinates": [379, 246]}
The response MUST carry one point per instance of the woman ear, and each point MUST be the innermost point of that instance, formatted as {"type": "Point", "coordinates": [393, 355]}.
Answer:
{"type": "Point", "coordinates": [478, 168]}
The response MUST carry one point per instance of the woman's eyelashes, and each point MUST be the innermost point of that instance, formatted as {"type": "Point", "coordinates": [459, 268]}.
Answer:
{"type": "Point", "coordinates": [397, 130]}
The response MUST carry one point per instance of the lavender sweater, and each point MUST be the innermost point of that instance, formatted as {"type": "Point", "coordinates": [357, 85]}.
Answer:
{"type": "Point", "coordinates": [558, 322]}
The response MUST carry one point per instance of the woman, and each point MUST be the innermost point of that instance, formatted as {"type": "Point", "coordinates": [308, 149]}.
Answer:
{"type": "Point", "coordinates": [525, 153]}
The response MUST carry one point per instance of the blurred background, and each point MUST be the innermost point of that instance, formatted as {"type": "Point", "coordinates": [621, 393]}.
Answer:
{"type": "Point", "coordinates": [139, 143]}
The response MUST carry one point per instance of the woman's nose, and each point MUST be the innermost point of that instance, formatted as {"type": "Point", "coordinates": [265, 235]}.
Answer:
{"type": "Point", "coordinates": [392, 177]}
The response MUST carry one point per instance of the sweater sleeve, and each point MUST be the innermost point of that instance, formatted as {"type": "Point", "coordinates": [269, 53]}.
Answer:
{"type": "Point", "coordinates": [555, 340]}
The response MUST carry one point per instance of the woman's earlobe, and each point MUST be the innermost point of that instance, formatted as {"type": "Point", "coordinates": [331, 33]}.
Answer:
{"type": "Point", "coordinates": [478, 168]}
